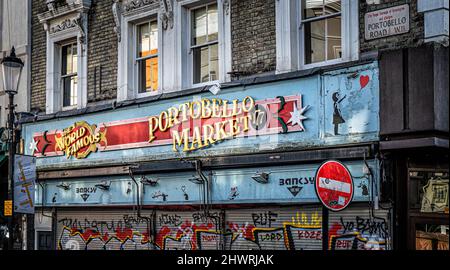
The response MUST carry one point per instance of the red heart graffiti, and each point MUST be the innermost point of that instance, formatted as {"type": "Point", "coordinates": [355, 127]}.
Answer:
{"type": "Point", "coordinates": [363, 81]}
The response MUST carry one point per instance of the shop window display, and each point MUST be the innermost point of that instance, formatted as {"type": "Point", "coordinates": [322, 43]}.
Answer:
{"type": "Point", "coordinates": [432, 237]}
{"type": "Point", "coordinates": [429, 203]}
{"type": "Point", "coordinates": [429, 191]}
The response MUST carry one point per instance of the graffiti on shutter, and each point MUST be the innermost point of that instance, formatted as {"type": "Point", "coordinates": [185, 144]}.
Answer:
{"type": "Point", "coordinates": [188, 230]}
{"type": "Point", "coordinates": [284, 228]}
{"type": "Point", "coordinates": [103, 230]}
{"type": "Point", "coordinates": [275, 228]}
{"type": "Point", "coordinates": [356, 229]}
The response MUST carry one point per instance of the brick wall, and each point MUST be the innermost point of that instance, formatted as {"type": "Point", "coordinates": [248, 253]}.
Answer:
{"type": "Point", "coordinates": [413, 38]}
{"type": "Point", "coordinates": [38, 58]}
{"type": "Point", "coordinates": [253, 36]}
{"type": "Point", "coordinates": [102, 52]}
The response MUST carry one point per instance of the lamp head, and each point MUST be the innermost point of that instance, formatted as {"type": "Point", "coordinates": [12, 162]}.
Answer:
{"type": "Point", "coordinates": [11, 70]}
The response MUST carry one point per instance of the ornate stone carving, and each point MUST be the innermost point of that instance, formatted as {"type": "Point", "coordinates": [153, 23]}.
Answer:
{"type": "Point", "coordinates": [116, 9]}
{"type": "Point", "coordinates": [80, 24]}
{"type": "Point", "coordinates": [51, 5]}
{"type": "Point", "coordinates": [134, 4]}
{"type": "Point", "coordinates": [226, 6]}
{"type": "Point", "coordinates": [71, 2]}
{"type": "Point", "coordinates": [166, 16]}
{"type": "Point", "coordinates": [66, 24]}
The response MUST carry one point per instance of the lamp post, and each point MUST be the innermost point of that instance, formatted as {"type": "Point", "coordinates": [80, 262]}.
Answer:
{"type": "Point", "coordinates": [11, 71]}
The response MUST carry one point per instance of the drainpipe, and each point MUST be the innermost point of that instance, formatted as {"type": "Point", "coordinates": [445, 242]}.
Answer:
{"type": "Point", "coordinates": [151, 222]}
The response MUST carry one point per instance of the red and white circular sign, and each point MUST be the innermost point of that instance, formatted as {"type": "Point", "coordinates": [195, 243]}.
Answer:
{"type": "Point", "coordinates": [334, 185]}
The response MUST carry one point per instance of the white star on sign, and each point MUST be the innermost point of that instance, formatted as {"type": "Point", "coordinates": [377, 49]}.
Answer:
{"type": "Point", "coordinates": [297, 116]}
{"type": "Point", "coordinates": [33, 146]}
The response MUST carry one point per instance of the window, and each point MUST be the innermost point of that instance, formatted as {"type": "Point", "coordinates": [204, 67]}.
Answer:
{"type": "Point", "coordinates": [432, 236]}
{"type": "Point", "coordinates": [66, 59]}
{"type": "Point", "coordinates": [428, 210]}
{"type": "Point", "coordinates": [205, 44]}
{"type": "Point", "coordinates": [321, 21]}
{"type": "Point", "coordinates": [429, 191]}
{"type": "Point", "coordinates": [312, 33]}
{"type": "Point", "coordinates": [141, 54]}
{"type": "Point", "coordinates": [147, 57]}
{"type": "Point", "coordinates": [69, 78]}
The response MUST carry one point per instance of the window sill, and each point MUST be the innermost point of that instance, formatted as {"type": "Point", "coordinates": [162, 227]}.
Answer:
{"type": "Point", "coordinates": [148, 94]}
{"type": "Point", "coordinates": [197, 85]}
{"type": "Point", "coordinates": [69, 108]}
{"type": "Point", "coordinates": [325, 63]}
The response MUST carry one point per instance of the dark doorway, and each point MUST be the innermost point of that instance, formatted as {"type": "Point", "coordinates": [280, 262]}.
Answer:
{"type": "Point", "coordinates": [45, 240]}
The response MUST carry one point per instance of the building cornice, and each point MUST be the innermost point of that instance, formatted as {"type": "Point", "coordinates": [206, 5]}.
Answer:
{"type": "Point", "coordinates": [81, 6]}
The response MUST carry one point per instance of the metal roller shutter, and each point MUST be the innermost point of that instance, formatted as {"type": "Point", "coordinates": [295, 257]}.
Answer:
{"type": "Point", "coordinates": [188, 230]}
{"type": "Point", "coordinates": [356, 228]}
{"type": "Point", "coordinates": [287, 227]}
{"type": "Point", "coordinates": [275, 228]}
{"type": "Point", "coordinates": [103, 229]}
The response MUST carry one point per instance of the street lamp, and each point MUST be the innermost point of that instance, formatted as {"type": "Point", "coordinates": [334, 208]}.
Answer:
{"type": "Point", "coordinates": [11, 70]}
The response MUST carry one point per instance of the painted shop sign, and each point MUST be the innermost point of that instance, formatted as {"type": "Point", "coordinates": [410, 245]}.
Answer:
{"type": "Point", "coordinates": [295, 183]}
{"type": "Point", "coordinates": [338, 107]}
{"type": "Point", "coordinates": [188, 126]}
{"type": "Point", "coordinates": [80, 139]}
{"type": "Point", "coordinates": [387, 22]}
{"type": "Point", "coordinates": [24, 184]}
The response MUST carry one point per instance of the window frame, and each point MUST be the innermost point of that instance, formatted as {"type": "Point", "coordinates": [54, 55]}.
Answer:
{"type": "Point", "coordinates": [344, 14]}
{"type": "Point", "coordinates": [191, 47]}
{"type": "Point", "coordinates": [70, 75]}
{"type": "Point", "coordinates": [54, 40]}
{"type": "Point", "coordinates": [290, 35]}
{"type": "Point", "coordinates": [413, 215]}
{"type": "Point", "coordinates": [183, 54]}
{"type": "Point", "coordinates": [136, 60]}
{"type": "Point", "coordinates": [127, 70]}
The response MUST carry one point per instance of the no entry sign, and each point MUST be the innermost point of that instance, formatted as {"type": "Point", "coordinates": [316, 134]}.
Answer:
{"type": "Point", "coordinates": [334, 185]}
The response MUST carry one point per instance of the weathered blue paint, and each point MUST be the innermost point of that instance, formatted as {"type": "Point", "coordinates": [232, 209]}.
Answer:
{"type": "Point", "coordinates": [359, 109]}
{"type": "Point", "coordinates": [177, 188]}
{"type": "Point", "coordinates": [282, 180]}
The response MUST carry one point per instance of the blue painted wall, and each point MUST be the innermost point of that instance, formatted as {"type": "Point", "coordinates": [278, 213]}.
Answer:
{"type": "Point", "coordinates": [227, 186]}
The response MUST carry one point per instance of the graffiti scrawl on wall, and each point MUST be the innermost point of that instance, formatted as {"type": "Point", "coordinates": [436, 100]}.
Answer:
{"type": "Point", "coordinates": [103, 231]}
{"type": "Point", "coordinates": [290, 228]}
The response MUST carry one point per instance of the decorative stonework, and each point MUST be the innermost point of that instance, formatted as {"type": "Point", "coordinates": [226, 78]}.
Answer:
{"type": "Point", "coordinates": [66, 24]}
{"type": "Point", "coordinates": [134, 4]}
{"type": "Point", "coordinates": [116, 9]}
{"type": "Point", "coordinates": [80, 24]}
{"type": "Point", "coordinates": [226, 6]}
{"type": "Point", "coordinates": [51, 5]}
{"type": "Point", "coordinates": [166, 16]}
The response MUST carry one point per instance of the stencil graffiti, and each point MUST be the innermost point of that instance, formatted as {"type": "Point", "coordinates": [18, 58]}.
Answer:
{"type": "Point", "coordinates": [233, 193]}
{"type": "Point", "coordinates": [185, 195]}
{"type": "Point", "coordinates": [295, 185]}
{"type": "Point", "coordinates": [337, 116]}
{"type": "Point", "coordinates": [160, 194]}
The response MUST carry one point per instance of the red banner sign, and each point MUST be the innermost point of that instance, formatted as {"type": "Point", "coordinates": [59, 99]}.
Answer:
{"type": "Point", "coordinates": [187, 127]}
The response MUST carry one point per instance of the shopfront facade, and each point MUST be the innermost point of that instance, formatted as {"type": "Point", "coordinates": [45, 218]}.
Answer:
{"type": "Point", "coordinates": [414, 143]}
{"type": "Point", "coordinates": [119, 179]}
